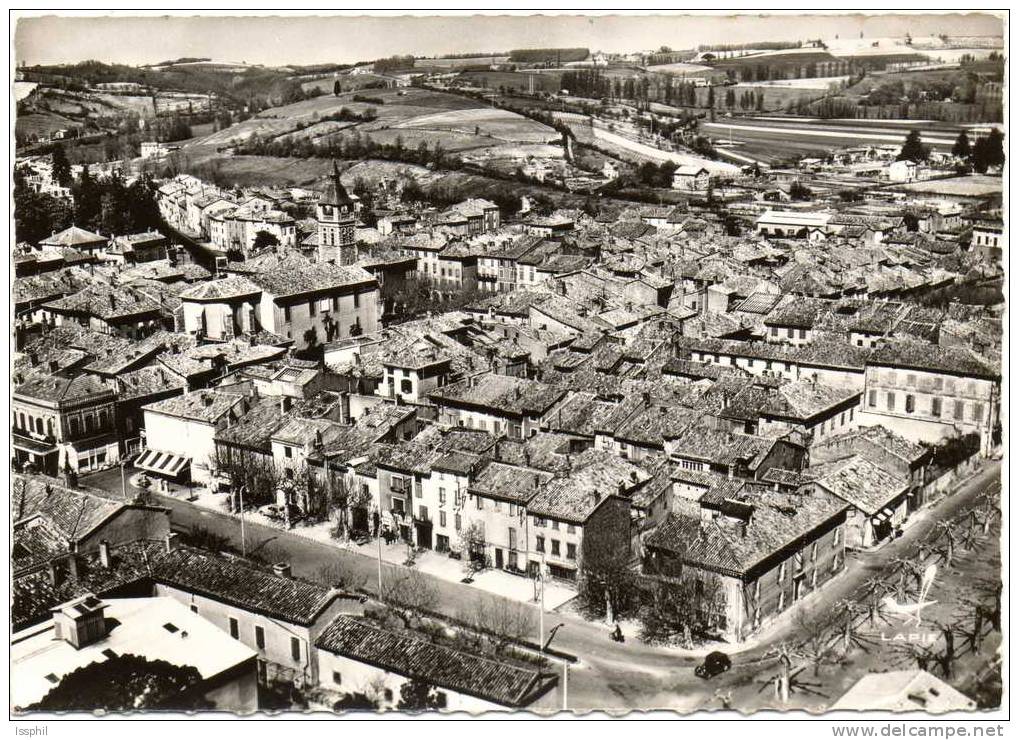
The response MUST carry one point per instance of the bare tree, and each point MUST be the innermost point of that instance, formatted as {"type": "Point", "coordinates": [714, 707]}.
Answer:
{"type": "Point", "coordinates": [817, 643]}
{"type": "Point", "coordinates": [410, 595]}
{"type": "Point", "coordinates": [502, 622]}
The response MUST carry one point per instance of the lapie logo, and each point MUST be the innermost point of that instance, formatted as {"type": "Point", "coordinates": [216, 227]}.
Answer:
{"type": "Point", "coordinates": [911, 611]}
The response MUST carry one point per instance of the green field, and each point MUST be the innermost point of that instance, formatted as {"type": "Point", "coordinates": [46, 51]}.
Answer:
{"type": "Point", "coordinates": [549, 82]}
{"type": "Point", "coordinates": [413, 114]}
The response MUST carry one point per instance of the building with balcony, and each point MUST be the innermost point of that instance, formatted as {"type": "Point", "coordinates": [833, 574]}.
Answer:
{"type": "Point", "coordinates": [65, 423]}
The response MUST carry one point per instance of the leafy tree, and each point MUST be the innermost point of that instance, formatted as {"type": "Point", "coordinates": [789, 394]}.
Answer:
{"type": "Point", "coordinates": [799, 191]}
{"type": "Point", "coordinates": [961, 148]}
{"type": "Point", "coordinates": [127, 682]}
{"type": "Point", "coordinates": [685, 606]}
{"type": "Point", "coordinates": [61, 166]}
{"type": "Point", "coordinates": [336, 88]}
{"type": "Point", "coordinates": [355, 700]}
{"type": "Point", "coordinates": [419, 696]}
{"type": "Point", "coordinates": [989, 151]}
{"type": "Point", "coordinates": [37, 215]}
{"type": "Point", "coordinates": [264, 240]}
{"type": "Point", "coordinates": [87, 201]}
{"type": "Point", "coordinates": [913, 149]}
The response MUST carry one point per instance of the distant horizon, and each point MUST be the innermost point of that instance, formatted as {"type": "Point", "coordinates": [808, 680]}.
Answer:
{"type": "Point", "coordinates": [279, 41]}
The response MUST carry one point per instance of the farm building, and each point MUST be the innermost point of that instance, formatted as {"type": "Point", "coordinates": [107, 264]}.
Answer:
{"type": "Point", "coordinates": [690, 177]}
{"type": "Point", "coordinates": [786, 224]}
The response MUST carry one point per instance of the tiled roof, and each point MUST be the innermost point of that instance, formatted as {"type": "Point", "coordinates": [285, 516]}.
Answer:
{"type": "Point", "coordinates": [234, 286]}
{"type": "Point", "coordinates": [204, 405]}
{"type": "Point", "coordinates": [241, 583]}
{"type": "Point", "coordinates": [777, 521]}
{"type": "Point", "coordinates": [934, 358]}
{"type": "Point", "coordinates": [58, 389]}
{"type": "Point", "coordinates": [517, 396]}
{"type": "Point", "coordinates": [293, 274]}
{"type": "Point", "coordinates": [106, 302]}
{"type": "Point", "coordinates": [508, 482]}
{"type": "Point", "coordinates": [860, 482]}
{"type": "Point", "coordinates": [74, 513]}
{"type": "Point", "coordinates": [419, 658]}
{"type": "Point", "coordinates": [74, 236]}
{"type": "Point", "coordinates": [595, 477]}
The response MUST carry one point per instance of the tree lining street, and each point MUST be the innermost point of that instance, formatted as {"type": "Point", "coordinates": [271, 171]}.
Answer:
{"type": "Point", "coordinates": [609, 675]}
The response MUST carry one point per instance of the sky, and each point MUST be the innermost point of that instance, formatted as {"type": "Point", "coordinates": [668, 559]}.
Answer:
{"type": "Point", "coordinates": [310, 39]}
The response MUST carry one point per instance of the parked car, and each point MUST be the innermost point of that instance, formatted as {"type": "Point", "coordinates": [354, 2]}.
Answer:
{"type": "Point", "coordinates": [272, 511]}
{"type": "Point", "coordinates": [714, 664]}
{"type": "Point", "coordinates": [277, 513]}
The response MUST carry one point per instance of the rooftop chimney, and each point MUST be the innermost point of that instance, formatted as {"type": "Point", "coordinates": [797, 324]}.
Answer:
{"type": "Point", "coordinates": [281, 569]}
{"type": "Point", "coordinates": [81, 621]}
{"type": "Point", "coordinates": [170, 540]}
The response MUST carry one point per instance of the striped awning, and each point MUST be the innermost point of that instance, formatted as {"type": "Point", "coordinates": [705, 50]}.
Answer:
{"type": "Point", "coordinates": [161, 463]}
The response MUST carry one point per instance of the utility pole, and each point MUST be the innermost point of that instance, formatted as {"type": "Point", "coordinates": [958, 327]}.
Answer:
{"type": "Point", "coordinates": [378, 539]}
{"type": "Point", "coordinates": [244, 549]}
{"type": "Point", "coordinates": [541, 607]}
{"type": "Point", "coordinates": [566, 683]}
{"type": "Point", "coordinates": [123, 479]}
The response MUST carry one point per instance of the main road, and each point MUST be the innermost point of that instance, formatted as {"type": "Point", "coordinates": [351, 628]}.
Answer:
{"type": "Point", "coordinates": [609, 675]}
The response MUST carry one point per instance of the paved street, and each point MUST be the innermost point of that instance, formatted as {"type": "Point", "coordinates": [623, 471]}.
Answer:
{"type": "Point", "coordinates": [608, 675]}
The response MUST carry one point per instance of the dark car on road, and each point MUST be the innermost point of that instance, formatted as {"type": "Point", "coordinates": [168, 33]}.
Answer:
{"type": "Point", "coordinates": [714, 664]}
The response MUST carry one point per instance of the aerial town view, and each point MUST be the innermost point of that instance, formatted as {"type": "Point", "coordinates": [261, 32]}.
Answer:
{"type": "Point", "coordinates": [388, 364]}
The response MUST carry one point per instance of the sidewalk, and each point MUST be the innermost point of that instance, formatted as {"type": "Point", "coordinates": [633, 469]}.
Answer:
{"type": "Point", "coordinates": [497, 582]}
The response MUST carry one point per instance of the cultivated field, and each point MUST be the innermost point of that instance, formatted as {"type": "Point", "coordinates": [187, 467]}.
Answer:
{"type": "Point", "coordinates": [412, 115]}
{"type": "Point", "coordinates": [493, 122]}
{"type": "Point", "coordinates": [684, 69]}
{"type": "Point", "coordinates": [775, 139]}
{"type": "Point", "coordinates": [975, 186]}
{"type": "Point", "coordinates": [550, 82]}
{"type": "Point", "coordinates": [805, 83]}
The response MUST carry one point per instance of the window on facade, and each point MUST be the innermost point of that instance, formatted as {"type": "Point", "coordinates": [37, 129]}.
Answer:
{"type": "Point", "coordinates": [295, 648]}
{"type": "Point", "coordinates": [539, 543]}
{"type": "Point", "coordinates": [890, 401]}
{"type": "Point", "coordinates": [959, 408]}
{"type": "Point", "coordinates": [571, 551]}
{"type": "Point", "coordinates": [539, 522]}
{"type": "Point", "coordinates": [978, 412]}
{"type": "Point", "coordinates": [911, 380]}
{"type": "Point", "coordinates": [286, 313]}
{"type": "Point", "coordinates": [323, 305]}
{"type": "Point", "coordinates": [442, 519]}
{"type": "Point", "coordinates": [781, 572]}
{"type": "Point", "coordinates": [935, 406]}
{"type": "Point", "coordinates": [259, 637]}
{"type": "Point", "coordinates": [555, 547]}
{"type": "Point", "coordinates": [910, 403]}
{"type": "Point", "coordinates": [38, 426]}
{"type": "Point", "coordinates": [288, 451]}
{"type": "Point", "coordinates": [781, 600]}
{"type": "Point", "coordinates": [337, 678]}
{"type": "Point", "coordinates": [234, 628]}
{"type": "Point", "coordinates": [357, 300]}
{"type": "Point", "coordinates": [456, 522]}
{"type": "Point", "coordinates": [836, 536]}
{"type": "Point", "coordinates": [406, 386]}
{"type": "Point", "coordinates": [312, 308]}
{"type": "Point", "coordinates": [555, 525]}
{"type": "Point", "coordinates": [803, 333]}
{"type": "Point", "coordinates": [479, 503]}
{"type": "Point", "coordinates": [442, 495]}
